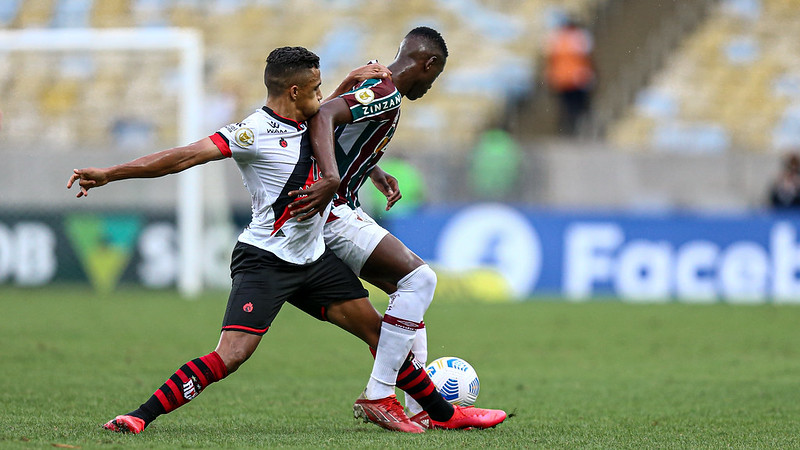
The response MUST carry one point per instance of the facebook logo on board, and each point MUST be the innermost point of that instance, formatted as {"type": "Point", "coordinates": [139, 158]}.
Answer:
{"type": "Point", "coordinates": [748, 258]}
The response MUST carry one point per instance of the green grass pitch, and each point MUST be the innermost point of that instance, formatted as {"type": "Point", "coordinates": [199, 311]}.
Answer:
{"type": "Point", "coordinates": [592, 375]}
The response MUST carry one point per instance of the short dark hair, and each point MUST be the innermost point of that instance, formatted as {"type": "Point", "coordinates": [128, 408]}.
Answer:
{"type": "Point", "coordinates": [431, 36]}
{"type": "Point", "coordinates": [284, 64]}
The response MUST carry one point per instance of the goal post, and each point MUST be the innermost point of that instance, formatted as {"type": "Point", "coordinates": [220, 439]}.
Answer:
{"type": "Point", "coordinates": [189, 45]}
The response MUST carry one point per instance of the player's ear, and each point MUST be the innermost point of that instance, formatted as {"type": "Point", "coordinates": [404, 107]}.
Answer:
{"type": "Point", "coordinates": [431, 61]}
{"type": "Point", "coordinates": [293, 91]}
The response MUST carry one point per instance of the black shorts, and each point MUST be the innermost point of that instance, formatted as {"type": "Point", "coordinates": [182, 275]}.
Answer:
{"type": "Point", "coordinates": [262, 282]}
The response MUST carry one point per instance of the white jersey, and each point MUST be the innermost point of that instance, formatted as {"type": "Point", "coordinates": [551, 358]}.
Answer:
{"type": "Point", "coordinates": [274, 156]}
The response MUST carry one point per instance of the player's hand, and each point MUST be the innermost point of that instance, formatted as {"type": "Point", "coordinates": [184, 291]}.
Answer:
{"type": "Point", "coordinates": [388, 186]}
{"type": "Point", "coordinates": [87, 178]}
{"type": "Point", "coordinates": [313, 200]}
{"type": "Point", "coordinates": [367, 72]}
{"type": "Point", "coordinates": [372, 70]}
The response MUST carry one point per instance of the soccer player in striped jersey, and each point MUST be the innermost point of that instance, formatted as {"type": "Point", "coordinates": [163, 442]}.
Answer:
{"type": "Point", "coordinates": [277, 258]}
{"type": "Point", "coordinates": [354, 129]}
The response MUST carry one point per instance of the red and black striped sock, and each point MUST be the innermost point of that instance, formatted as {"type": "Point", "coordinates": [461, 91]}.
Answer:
{"type": "Point", "coordinates": [414, 380]}
{"type": "Point", "coordinates": [185, 384]}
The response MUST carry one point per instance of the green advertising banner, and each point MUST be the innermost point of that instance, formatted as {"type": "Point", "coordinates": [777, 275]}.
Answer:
{"type": "Point", "coordinates": [103, 249]}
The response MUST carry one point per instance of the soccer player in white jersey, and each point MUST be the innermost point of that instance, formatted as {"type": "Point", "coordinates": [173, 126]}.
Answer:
{"type": "Point", "coordinates": [277, 258]}
{"type": "Point", "coordinates": [355, 129]}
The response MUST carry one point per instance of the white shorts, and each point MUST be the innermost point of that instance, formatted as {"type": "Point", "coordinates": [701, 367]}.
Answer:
{"type": "Point", "coordinates": [353, 236]}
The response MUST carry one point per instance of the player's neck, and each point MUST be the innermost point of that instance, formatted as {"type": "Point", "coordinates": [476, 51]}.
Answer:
{"type": "Point", "coordinates": [400, 74]}
{"type": "Point", "coordinates": [285, 108]}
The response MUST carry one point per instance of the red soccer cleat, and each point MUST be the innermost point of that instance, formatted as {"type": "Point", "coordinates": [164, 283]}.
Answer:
{"type": "Point", "coordinates": [386, 413]}
{"type": "Point", "coordinates": [125, 424]}
{"type": "Point", "coordinates": [464, 418]}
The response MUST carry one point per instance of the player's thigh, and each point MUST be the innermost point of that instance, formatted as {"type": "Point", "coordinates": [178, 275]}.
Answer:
{"type": "Point", "coordinates": [261, 284]}
{"type": "Point", "coordinates": [389, 262]}
{"type": "Point", "coordinates": [327, 281]}
{"type": "Point", "coordinates": [353, 236]}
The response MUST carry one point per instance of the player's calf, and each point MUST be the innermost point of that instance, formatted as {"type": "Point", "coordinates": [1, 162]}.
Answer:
{"type": "Point", "coordinates": [417, 384]}
{"type": "Point", "coordinates": [184, 385]}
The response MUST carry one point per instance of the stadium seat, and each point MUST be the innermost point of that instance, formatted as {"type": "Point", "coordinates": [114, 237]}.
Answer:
{"type": "Point", "coordinates": [8, 11]}
{"type": "Point", "coordinates": [239, 33]}
{"type": "Point", "coordinates": [730, 81]}
{"type": "Point", "coordinates": [72, 13]}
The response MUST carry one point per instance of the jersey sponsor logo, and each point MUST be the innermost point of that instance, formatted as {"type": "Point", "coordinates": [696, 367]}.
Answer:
{"type": "Point", "coordinates": [283, 143]}
{"type": "Point", "coordinates": [274, 128]}
{"type": "Point", "coordinates": [365, 96]}
{"type": "Point", "coordinates": [275, 131]}
{"type": "Point", "coordinates": [248, 307]}
{"type": "Point", "coordinates": [245, 137]}
{"type": "Point", "coordinates": [383, 105]}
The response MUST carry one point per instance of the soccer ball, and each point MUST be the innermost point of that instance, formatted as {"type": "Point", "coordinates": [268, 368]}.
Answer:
{"type": "Point", "coordinates": [455, 379]}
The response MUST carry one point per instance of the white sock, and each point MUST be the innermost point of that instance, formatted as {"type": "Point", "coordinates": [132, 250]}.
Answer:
{"type": "Point", "coordinates": [401, 321]}
{"type": "Point", "coordinates": [420, 350]}
{"type": "Point", "coordinates": [393, 348]}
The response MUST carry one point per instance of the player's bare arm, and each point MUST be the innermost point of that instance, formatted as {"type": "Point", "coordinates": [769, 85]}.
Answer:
{"type": "Point", "coordinates": [154, 165]}
{"type": "Point", "coordinates": [319, 194]}
{"type": "Point", "coordinates": [373, 70]}
{"type": "Point", "coordinates": [387, 185]}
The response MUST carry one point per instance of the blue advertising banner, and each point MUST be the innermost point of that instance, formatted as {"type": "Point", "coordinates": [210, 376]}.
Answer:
{"type": "Point", "coordinates": [488, 251]}
{"type": "Point", "coordinates": [738, 258]}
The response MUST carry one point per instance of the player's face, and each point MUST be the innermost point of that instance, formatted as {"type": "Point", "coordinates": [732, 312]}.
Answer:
{"type": "Point", "coordinates": [424, 82]}
{"type": "Point", "coordinates": [309, 95]}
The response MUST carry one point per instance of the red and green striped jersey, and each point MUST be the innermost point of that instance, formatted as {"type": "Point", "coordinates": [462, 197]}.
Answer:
{"type": "Point", "coordinates": [375, 105]}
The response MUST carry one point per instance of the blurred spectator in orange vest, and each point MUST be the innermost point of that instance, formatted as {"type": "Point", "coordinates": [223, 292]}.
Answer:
{"type": "Point", "coordinates": [570, 73]}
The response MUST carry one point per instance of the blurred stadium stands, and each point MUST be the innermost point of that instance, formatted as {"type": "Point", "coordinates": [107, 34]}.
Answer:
{"type": "Point", "coordinates": [732, 84]}
{"type": "Point", "coordinates": [501, 39]}
{"type": "Point", "coordinates": [707, 89]}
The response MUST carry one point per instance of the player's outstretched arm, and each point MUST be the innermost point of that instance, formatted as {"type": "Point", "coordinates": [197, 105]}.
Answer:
{"type": "Point", "coordinates": [372, 70]}
{"type": "Point", "coordinates": [151, 166]}
{"type": "Point", "coordinates": [387, 184]}
{"type": "Point", "coordinates": [317, 197]}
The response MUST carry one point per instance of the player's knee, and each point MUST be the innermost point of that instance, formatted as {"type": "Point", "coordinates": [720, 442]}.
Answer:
{"type": "Point", "coordinates": [371, 334]}
{"type": "Point", "coordinates": [423, 281]}
{"type": "Point", "coordinates": [234, 356]}
{"type": "Point", "coordinates": [235, 359]}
